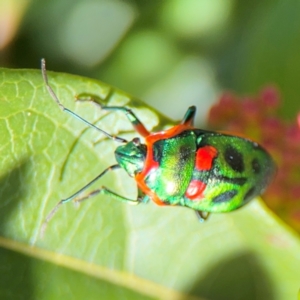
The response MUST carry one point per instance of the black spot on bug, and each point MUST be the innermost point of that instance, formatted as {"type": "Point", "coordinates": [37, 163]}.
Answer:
{"type": "Point", "coordinates": [234, 159]}
{"type": "Point", "coordinates": [184, 153]}
{"type": "Point", "coordinates": [256, 167]}
{"type": "Point", "coordinates": [158, 151]}
{"type": "Point", "coordinates": [250, 194]}
{"type": "Point", "coordinates": [224, 197]}
{"type": "Point", "coordinates": [160, 147]}
{"type": "Point", "coordinates": [238, 180]}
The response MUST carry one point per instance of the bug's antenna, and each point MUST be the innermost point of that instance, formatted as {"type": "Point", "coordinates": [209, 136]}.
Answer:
{"type": "Point", "coordinates": [55, 98]}
{"type": "Point", "coordinates": [49, 88]}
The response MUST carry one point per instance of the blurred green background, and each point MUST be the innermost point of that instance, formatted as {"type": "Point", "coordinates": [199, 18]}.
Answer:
{"type": "Point", "coordinates": [164, 52]}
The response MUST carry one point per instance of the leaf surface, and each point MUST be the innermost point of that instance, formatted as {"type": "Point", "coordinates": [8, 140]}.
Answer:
{"type": "Point", "coordinates": [109, 248]}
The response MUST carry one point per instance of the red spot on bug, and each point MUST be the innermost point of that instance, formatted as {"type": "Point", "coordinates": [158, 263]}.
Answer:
{"type": "Point", "coordinates": [195, 190]}
{"type": "Point", "coordinates": [204, 157]}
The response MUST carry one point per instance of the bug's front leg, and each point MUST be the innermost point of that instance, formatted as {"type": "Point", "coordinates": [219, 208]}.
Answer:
{"type": "Point", "coordinates": [133, 119]}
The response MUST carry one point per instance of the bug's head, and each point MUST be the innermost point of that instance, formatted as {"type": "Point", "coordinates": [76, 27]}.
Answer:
{"type": "Point", "coordinates": [131, 156]}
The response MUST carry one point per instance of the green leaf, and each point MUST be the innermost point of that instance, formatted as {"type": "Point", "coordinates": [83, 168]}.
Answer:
{"type": "Point", "coordinates": [106, 249]}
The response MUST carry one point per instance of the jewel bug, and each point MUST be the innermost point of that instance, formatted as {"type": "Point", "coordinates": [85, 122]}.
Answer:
{"type": "Point", "coordinates": [207, 171]}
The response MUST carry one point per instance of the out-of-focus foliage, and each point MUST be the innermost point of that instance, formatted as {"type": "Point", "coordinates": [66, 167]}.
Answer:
{"type": "Point", "coordinates": [183, 51]}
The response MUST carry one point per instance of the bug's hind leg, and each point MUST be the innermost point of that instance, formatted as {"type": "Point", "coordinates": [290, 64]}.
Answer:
{"type": "Point", "coordinates": [189, 116]}
{"type": "Point", "coordinates": [202, 217]}
{"type": "Point", "coordinates": [133, 119]}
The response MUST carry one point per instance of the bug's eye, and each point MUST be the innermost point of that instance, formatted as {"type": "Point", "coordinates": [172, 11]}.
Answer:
{"type": "Point", "coordinates": [136, 141]}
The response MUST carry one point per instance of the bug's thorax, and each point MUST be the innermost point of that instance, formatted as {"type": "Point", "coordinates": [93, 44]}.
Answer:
{"type": "Point", "coordinates": [131, 156]}
{"type": "Point", "coordinates": [169, 163]}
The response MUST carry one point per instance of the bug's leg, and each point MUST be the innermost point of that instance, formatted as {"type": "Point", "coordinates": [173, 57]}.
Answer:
{"type": "Point", "coordinates": [105, 191]}
{"type": "Point", "coordinates": [63, 201]}
{"type": "Point", "coordinates": [201, 216]}
{"type": "Point", "coordinates": [63, 108]}
{"type": "Point", "coordinates": [143, 197]}
{"type": "Point", "coordinates": [133, 119]}
{"type": "Point", "coordinates": [189, 116]}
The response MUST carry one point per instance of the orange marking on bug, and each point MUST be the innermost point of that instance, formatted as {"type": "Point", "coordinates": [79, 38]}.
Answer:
{"type": "Point", "coordinates": [141, 129]}
{"type": "Point", "coordinates": [151, 194]}
{"type": "Point", "coordinates": [150, 164]}
{"type": "Point", "coordinates": [204, 158]}
{"type": "Point", "coordinates": [195, 190]}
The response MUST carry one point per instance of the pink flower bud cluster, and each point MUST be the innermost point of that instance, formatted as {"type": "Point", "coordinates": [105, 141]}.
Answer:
{"type": "Point", "coordinates": [258, 118]}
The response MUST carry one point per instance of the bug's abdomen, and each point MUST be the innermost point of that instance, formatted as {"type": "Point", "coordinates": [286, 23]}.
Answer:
{"type": "Point", "coordinates": [236, 171]}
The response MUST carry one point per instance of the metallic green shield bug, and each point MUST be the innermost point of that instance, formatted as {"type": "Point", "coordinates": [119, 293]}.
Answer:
{"type": "Point", "coordinates": [204, 170]}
